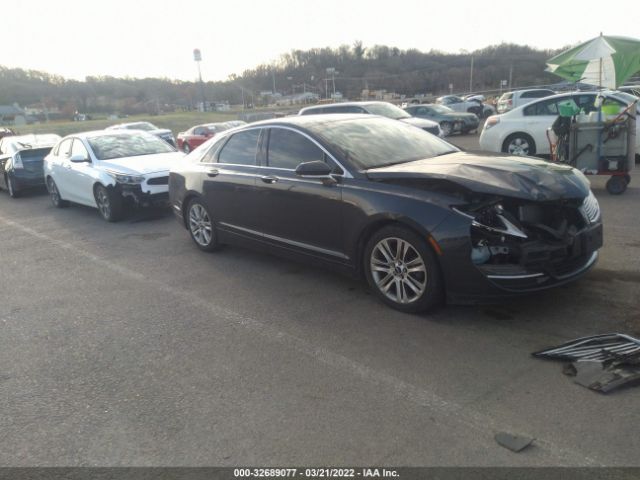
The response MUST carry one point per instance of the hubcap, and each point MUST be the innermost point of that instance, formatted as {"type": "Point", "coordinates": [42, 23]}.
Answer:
{"type": "Point", "coordinates": [53, 191]}
{"type": "Point", "coordinates": [200, 225]}
{"type": "Point", "coordinates": [446, 129]}
{"type": "Point", "coordinates": [398, 270]}
{"type": "Point", "coordinates": [103, 203]}
{"type": "Point", "coordinates": [519, 146]}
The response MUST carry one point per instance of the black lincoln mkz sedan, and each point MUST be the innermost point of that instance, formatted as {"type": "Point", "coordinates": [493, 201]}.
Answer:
{"type": "Point", "coordinates": [412, 213]}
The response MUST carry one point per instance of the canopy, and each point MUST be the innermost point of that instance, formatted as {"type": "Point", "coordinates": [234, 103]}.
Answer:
{"type": "Point", "coordinates": [604, 61]}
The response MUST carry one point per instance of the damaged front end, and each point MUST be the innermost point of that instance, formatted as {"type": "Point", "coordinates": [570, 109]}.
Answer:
{"type": "Point", "coordinates": [141, 190]}
{"type": "Point", "coordinates": [522, 245]}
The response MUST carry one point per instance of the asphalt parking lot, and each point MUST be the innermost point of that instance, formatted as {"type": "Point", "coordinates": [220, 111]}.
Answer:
{"type": "Point", "coordinates": [122, 344]}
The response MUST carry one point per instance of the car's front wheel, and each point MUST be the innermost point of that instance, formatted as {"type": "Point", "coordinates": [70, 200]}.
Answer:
{"type": "Point", "coordinates": [200, 225]}
{"type": "Point", "coordinates": [109, 203]}
{"type": "Point", "coordinates": [54, 194]}
{"type": "Point", "coordinates": [185, 147]}
{"type": "Point", "coordinates": [402, 270]}
{"type": "Point", "coordinates": [447, 128]}
{"type": "Point", "coordinates": [519, 144]}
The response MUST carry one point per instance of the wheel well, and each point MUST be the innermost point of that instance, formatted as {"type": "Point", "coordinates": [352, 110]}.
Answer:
{"type": "Point", "coordinates": [511, 135]}
{"type": "Point", "coordinates": [374, 227]}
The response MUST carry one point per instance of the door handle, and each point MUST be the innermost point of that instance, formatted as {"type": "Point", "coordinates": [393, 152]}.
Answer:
{"type": "Point", "coordinates": [212, 172]}
{"type": "Point", "coordinates": [269, 179]}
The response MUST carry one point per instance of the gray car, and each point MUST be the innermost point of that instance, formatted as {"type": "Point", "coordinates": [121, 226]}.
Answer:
{"type": "Point", "coordinates": [450, 121]}
{"type": "Point", "coordinates": [164, 133]}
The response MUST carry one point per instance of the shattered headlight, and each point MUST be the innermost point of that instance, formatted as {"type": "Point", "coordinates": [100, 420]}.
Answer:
{"type": "Point", "coordinates": [590, 208]}
{"type": "Point", "coordinates": [493, 218]}
{"type": "Point", "coordinates": [126, 178]}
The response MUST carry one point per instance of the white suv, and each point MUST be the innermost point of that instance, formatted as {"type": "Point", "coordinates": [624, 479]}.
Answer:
{"type": "Point", "coordinates": [523, 130]}
{"type": "Point", "coordinates": [517, 98]}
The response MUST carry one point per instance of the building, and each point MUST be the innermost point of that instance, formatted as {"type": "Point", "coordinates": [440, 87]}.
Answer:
{"type": "Point", "coordinates": [12, 115]}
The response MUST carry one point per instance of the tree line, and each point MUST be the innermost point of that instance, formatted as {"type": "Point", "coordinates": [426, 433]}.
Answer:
{"type": "Point", "coordinates": [355, 67]}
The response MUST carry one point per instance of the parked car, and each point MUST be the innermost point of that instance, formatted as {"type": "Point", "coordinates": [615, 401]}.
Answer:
{"type": "Point", "coordinates": [235, 123]}
{"type": "Point", "coordinates": [406, 209]}
{"type": "Point", "coordinates": [523, 130]}
{"type": "Point", "coordinates": [459, 104]}
{"type": "Point", "coordinates": [631, 89]}
{"type": "Point", "coordinates": [199, 134]}
{"type": "Point", "coordinates": [164, 133]}
{"type": "Point", "coordinates": [21, 159]}
{"type": "Point", "coordinates": [487, 109]}
{"type": "Point", "coordinates": [510, 100]}
{"type": "Point", "coordinates": [450, 121]}
{"type": "Point", "coordinates": [384, 109]}
{"type": "Point", "coordinates": [106, 169]}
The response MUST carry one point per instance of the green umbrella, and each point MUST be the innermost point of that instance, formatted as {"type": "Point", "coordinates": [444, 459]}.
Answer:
{"type": "Point", "coordinates": [603, 61]}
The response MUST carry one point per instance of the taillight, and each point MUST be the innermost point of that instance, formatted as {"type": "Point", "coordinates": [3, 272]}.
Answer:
{"type": "Point", "coordinates": [17, 161]}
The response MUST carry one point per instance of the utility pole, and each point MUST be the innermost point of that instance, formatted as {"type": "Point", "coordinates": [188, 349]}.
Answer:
{"type": "Point", "coordinates": [510, 76]}
{"type": "Point", "coordinates": [471, 76]}
{"type": "Point", "coordinates": [197, 56]}
{"type": "Point", "coordinates": [273, 75]}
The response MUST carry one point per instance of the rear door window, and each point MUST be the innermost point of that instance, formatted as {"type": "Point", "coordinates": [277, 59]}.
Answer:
{"type": "Point", "coordinates": [241, 148]}
{"type": "Point", "coordinates": [545, 107]}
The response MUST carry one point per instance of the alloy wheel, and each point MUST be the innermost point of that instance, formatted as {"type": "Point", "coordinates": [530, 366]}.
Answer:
{"type": "Point", "coordinates": [446, 128]}
{"type": "Point", "coordinates": [398, 270]}
{"type": "Point", "coordinates": [53, 192]}
{"type": "Point", "coordinates": [200, 225]}
{"type": "Point", "coordinates": [518, 146]}
{"type": "Point", "coordinates": [104, 204]}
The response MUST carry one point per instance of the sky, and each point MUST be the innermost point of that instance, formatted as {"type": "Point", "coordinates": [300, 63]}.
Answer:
{"type": "Point", "coordinates": [141, 38]}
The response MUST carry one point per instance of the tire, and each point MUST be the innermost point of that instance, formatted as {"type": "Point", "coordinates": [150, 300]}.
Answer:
{"type": "Point", "coordinates": [110, 203]}
{"type": "Point", "coordinates": [519, 144]}
{"type": "Point", "coordinates": [54, 194]}
{"type": "Point", "coordinates": [200, 225]}
{"type": "Point", "coordinates": [11, 188]}
{"type": "Point", "coordinates": [617, 185]}
{"type": "Point", "coordinates": [447, 128]}
{"type": "Point", "coordinates": [185, 147]}
{"type": "Point", "coordinates": [389, 256]}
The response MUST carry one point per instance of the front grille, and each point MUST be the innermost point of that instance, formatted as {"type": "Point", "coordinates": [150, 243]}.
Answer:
{"type": "Point", "coordinates": [433, 130]}
{"type": "Point", "coordinates": [158, 181]}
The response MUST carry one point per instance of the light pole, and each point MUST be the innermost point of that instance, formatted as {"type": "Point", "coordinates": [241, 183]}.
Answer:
{"type": "Point", "coordinates": [197, 56]}
{"type": "Point", "coordinates": [471, 76]}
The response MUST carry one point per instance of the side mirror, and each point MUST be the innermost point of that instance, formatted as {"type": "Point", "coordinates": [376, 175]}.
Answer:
{"type": "Point", "coordinates": [315, 169]}
{"type": "Point", "coordinates": [79, 158]}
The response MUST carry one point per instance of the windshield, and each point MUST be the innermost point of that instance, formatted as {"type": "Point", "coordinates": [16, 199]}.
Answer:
{"type": "Point", "coordinates": [377, 142]}
{"type": "Point", "coordinates": [108, 147]}
{"type": "Point", "coordinates": [146, 126]}
{"type": "Point", "coordinates": [387, 110]}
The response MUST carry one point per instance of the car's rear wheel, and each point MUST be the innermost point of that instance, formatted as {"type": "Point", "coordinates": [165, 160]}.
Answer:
{"type": "Point", "coordinates": [185, 147]}
{"type": "Point", "coordinates": [11, 187]}
{"type": "Point", "coordinates": [200, 225]}
{"type": "Point", "coordinates": [110, 203]}
{"type": "Point", "coordinates": [54, 194]}
{"type": "Point", "coordinates": [402, 270]}
{"type": "Point", "coordinates": [447, 128]}
{"type": "Point", "coordinates": [519, 144]}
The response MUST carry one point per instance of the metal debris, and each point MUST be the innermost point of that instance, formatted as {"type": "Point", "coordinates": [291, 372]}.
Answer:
{"type": "Point", "coordinates": [597, 347]}
{"type": "Point", "coordinates": [601, 362]}
{"type": "Point", "coordinates": [515, 443]}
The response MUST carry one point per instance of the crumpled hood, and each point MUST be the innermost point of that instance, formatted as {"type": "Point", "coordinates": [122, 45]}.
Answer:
{"type": "Point", "coordinates": [495, 174]}
{"type": "Point", "coordinates": [143, 164]}
{"type": "Point", "coordinates": [419, 122]}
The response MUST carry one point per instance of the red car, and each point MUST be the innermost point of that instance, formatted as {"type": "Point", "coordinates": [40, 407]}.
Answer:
{"type": "Point", "coordinates": [199, 134]}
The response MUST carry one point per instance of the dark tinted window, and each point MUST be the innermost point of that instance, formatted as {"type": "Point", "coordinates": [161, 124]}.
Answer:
{"type": "Point", "coordinates": [548, 107]}
{"type": "Point", "coordinates": [288, 149]}
{"type": "Point", "coordinates": [344, 109]}
{"type": "Point", "coordinates": [314, 111]}
{"type": "Point", "coordinates": [241, 148]}
{"type": "Point", "coordinates": [374, 141]}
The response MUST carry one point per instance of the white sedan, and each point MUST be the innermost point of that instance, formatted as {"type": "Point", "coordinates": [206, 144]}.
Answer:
{"type": "Point", "coordinates": [523, 130]}
{"type": "Point", "coordinates": [105, 168]}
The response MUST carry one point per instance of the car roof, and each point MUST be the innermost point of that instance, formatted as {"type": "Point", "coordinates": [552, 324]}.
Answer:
{"type": "Point", "coordinates": [104, 133]}
{"type": "Point", "coordinates": [307, 120]}
{"type": "Point", "coordinates": [346, 104]}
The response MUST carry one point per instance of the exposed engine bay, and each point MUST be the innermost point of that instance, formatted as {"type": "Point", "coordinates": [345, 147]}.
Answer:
{"type": "Point", "coordinates": [514, 236]}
